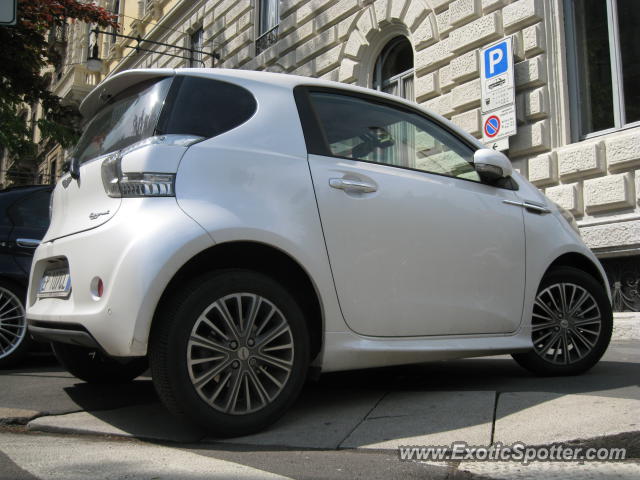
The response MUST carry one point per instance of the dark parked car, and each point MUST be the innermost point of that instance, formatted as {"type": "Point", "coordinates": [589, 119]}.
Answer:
{"type": "Point", "coordinates": [24, 219]}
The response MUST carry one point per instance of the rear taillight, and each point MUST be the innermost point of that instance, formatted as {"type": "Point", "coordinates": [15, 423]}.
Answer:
{"type": "Point", "coordinates": [141, 184]}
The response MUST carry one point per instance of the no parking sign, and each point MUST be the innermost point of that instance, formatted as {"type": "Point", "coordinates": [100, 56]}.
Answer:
{"type": "Point", "coordinates": [492, 126]}
{"type": "Point", "coordinates": [498, 124]}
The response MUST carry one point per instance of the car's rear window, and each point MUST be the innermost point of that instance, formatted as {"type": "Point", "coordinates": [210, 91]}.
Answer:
{"type": "Point", "coordinates": [205, 107]}
{"type": "Point", "coordinates": [127, 118]}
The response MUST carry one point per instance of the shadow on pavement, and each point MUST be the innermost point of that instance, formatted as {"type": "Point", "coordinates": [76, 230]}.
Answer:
{"type": "Point", "coordinates": [434, 403]}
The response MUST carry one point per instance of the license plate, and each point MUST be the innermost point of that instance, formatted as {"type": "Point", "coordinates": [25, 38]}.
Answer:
{"type": "Point", "coordinates": [55, 283]}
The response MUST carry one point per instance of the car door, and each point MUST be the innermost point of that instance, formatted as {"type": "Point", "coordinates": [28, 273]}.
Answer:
{"type": "Point", "coordinates": [30, 218]}
{"type": "Point", "coordinates": [418, 245]}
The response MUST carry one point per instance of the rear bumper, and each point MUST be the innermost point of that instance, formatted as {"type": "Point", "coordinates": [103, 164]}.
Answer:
{"type": "Point", "coordinates": [136, 254]}
{"type": "Point", "coordinates": [62, 333]}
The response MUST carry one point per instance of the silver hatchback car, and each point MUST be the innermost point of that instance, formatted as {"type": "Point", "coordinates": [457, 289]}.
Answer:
{"type": "Point", "coordinates": [236, 228]}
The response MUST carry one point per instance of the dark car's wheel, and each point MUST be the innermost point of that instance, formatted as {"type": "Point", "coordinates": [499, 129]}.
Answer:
{"type": "Point", "coordinates": [230, 352]}
{"type": "Point", "coordinates": [571, 325]}
{"type": "Point", "coordinates": [93, 366]}
{"type": "Point", "coordinates": [14, 337]}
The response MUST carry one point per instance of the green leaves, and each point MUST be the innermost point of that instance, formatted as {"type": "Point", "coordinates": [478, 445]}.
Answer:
{"type": "Point", "coordinates": [24, 57]}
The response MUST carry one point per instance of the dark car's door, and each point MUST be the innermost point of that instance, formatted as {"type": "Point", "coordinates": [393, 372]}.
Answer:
{"type": "Point", "coordinates": [30, 218]}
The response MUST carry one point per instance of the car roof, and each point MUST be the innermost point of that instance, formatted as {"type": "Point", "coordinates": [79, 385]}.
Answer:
{"type": "Point", "coordinates": [118, 82]}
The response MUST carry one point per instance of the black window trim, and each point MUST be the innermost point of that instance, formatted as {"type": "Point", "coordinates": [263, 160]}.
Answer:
{"type": "Point", "coordinates": [318, 144]}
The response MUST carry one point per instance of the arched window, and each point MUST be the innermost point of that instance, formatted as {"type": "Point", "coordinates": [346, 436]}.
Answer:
{"type": "Point", "coordinates": [393, 72]}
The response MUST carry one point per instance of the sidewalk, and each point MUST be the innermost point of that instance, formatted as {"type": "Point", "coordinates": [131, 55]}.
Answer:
{"type": "Point", "coordinates": [481, 402]}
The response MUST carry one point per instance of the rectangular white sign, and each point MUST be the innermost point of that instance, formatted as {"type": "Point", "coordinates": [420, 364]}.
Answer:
{"type": "Point", "coordinates": [499, 124]}
{"type": "Point", "coordinates": [497, 82]}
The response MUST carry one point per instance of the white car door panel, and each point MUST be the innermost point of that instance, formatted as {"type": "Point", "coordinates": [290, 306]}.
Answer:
{"type": "Point", "coordinates": [424, 254]}
{"type": "Point", "coordinates": [418, 245]}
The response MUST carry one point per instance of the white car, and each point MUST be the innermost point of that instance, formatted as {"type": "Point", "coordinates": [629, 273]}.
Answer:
{"type": "Point", "coordinates": [238, 228]}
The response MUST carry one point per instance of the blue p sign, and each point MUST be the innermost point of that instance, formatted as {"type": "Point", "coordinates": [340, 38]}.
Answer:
{"type": "Point", "coordinates": [495, 60]}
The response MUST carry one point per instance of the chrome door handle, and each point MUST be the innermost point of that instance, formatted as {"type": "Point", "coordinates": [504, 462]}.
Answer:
{"type": "Point", "coordinates": [529, 206]}
{"type": "Point", "coordinates": [352, 185]}
{"type": "Point", "coordinates": [27, 242]}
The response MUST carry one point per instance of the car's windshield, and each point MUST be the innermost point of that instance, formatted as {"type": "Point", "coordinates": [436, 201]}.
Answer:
{"type": "Point", "coordinates": [129, 117]}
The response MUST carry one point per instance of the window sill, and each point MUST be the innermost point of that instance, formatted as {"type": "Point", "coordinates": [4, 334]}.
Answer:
{"type": "Point", "coordinates": [609, 131]}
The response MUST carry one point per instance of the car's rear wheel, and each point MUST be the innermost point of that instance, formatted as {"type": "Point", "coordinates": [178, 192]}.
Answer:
{"type": "Point", "coordinates": [14, 337]}
{"type": "Point", "coordinates": [230, 352]}
{"type": "Point", "coordinates": [93, 366]}
{"type": "Point", "coordinates": [571, 325]}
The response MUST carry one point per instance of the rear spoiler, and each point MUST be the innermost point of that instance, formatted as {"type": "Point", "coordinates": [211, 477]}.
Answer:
{"type": "Point", "coordinates": [114, 85]}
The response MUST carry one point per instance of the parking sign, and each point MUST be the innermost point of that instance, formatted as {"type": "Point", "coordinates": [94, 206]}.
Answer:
{"type": "Point", "coordinates": [496, 59]}
{"type": "Point", "coordinates": [497, 76]}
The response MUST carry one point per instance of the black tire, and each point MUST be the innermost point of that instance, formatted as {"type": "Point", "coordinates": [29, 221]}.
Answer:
{"type": "Point", "coordinates": [93, 366]}
{"type": "Point", "coordinates": [582, 339]}
{"type": "Point", "coordinates": [15, 341]}
{"type": "Point", "coordinates": [172, 350]}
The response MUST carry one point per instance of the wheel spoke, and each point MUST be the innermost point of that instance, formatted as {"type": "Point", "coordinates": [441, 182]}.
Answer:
{"type": "Point", "coordinates": [253, 313]}
{"type": "Point", "coordinates": [563, 298]}
{"type": "Point", "coordinates": [542, 326]}
{"type": "Point", "coordinates": [6, 340]}
{"type": "Point", "coordinates": [583, 298]}
{"type": "Point", "coordinates": [204, 319]}
{"type": "Point", "coordinates": [556, 349]}
{"type": "Point", "coordinates": [14, 307]}
{"type": "Point", "coordinates": [233, 395]}
{"type": "Point", "coordinates": [584, 339]}
{"type": "Point", "coordinates": [553, 299]}
{"type": "Point", "coordinates": [247, 392]}
{"type": "Point", "coordinates": [547, 346]}
{"type": "Point", "coordinates": [200, 341]}
{"type": "Point", "coordinates": [546, 309]}
{"type": "Point", "coordinates": [271, 377]}
{"type": "Point", "coordinates": [583, 312]}
{"type": "Point", "coordinates": [278, 347]}
{"type": "Point", "coordinates": [240, 323]}
{"type": "Point", "coordinates": [259, 387]}
{"type": "Point", "coordinates": [276, 362]}
{"type": "Point", "coordinates": [9, 332]}
{"type": "Point", "coordinates": [219, 388]}
{"type": "Point", "coordinates": [275, 333]}
{"type": "Point", "coordinates": [266, 320]}
{"type": "Point", "coordinates": [571, 335]}
{"type": "Point", "coordinates": [206, 377]}
{"type": "Point", "coordinates": [224, 312]}
{"type": "Point", "coordinates": [200, 361]}
{"type": "Point", "coordinates": [544, 317]}
{"type": "Point", "coordinates": [6, 303]}
{"type": "Point", "coordinates": [587, 321]}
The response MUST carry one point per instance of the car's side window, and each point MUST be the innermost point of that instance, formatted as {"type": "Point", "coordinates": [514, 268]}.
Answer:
{"type": "Point", "coordinates": [32, 210]}
{"type": "Point", "coordinates": [359, 129]}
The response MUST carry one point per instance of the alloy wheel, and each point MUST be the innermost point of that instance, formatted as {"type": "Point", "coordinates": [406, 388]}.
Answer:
{"type": "Point", "coordinates": [13, 323]}
{"type": "Point", "coordinates": [240, 353]}
{"type": "Point", "coordinates": [566, 323]}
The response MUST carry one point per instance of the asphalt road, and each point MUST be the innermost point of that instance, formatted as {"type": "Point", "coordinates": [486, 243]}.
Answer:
{"type": "Point", "coordinates": [40, 385]}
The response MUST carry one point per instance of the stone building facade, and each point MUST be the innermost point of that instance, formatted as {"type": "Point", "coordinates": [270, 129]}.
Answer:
{"type": "Point", "coordinates": [578, 135]}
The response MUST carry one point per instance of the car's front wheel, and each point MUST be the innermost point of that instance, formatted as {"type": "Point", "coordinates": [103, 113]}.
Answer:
{"type": "Point", "coordinates": [230, 352]}
{"type": "Point", "coordinates": [571, 325]}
